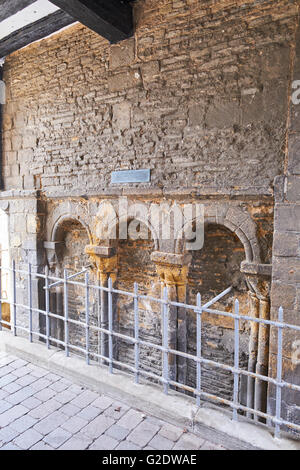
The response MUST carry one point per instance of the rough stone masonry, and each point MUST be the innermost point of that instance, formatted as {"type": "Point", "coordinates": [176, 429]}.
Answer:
{"type": "Point", "coordinates": [201, 96]}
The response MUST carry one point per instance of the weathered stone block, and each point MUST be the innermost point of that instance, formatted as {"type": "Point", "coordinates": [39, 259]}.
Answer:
{"type": "Point", "coordinates": [197, 114]}
{"type": "Point", "coordinates": [122, 116]}
{"type": "Point", "coordinates": [274, 103]}
{"type": "Point", "coordinates": [222, 114]}
{"type": "Point", "coordinates": [251, 107]}
{"type": "Point", "coordinates": [19, 223]}
{"type": "Point", "coordinates": [286, 269]}
{"type": "Point", "coordinates": [286, 244]}
{"type": "Point", "coordinates": [283, 295]}
{"type": "Point", "coordinates": [150, 70]}
{"type": "Point", "coordinates": [29, 141]}
{"type": "Point", "coordinates": [275, 61]}
{"type": "Point", "coordinates": [28, 182]}
{"type": "Point", "coordinates": [294, 153]}
{"type": "Point", "coordinates": [32, 224]}
{"type": "Point", "coordinates": [122, 54]}
{"type": "Point", "coordinates": [293, 189]}
{"type": "Point", "coordinates": [287, 217]}
{"type": "Point", "coordinates": [16, 142]}
{"type": "Point", "coordinates": [124, 81]}
{"type": "Point", "coordinates": [19, 119]}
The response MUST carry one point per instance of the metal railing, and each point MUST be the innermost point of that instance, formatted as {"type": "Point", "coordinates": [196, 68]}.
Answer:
{"type": "Point", "coordinates": [28, 309]}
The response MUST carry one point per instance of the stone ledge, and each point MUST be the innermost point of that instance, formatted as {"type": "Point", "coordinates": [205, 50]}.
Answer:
{"type": "Point", "coordinates": [170, 259]}
{"type": "Point", "coordinates": [213, 424]}
{"type": "Point", "coordinates": [19, 194]}
{"type": "Point", "coordinates": [256, 269]}
{"type": "Point", "coordinates": [102, 251]}
{"type": "Point", "coordinates": [198, 193]}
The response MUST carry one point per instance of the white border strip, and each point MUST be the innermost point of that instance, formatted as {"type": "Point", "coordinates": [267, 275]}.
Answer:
{"type": "Point", "coordinates": [25, 17]}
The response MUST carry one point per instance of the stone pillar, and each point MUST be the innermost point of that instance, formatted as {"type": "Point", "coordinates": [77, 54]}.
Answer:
{"type": "Point", "coordinates": [106, 261]}
{"type": "Point", "coordinates": [259, 281]}
{"type": "Point", "coordinates": [253, 348]}
{"type": "Point", "coordinates": [26, 221]}
{"type": "Point", "coordinates": [53, 254]}
{"type": "Point", "coordinates": [262, 366]}
{"type": "Point", "coordinates": [286, 253]}
{"type": "Point", "coordinates": [172, 270]}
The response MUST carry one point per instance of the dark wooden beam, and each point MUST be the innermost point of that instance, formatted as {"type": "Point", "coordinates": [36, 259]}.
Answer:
{"type": "Point", "coordinates": [10, 7]}
{"type": "Point", "coordinates": [112, 19]}
{"type": "Point", "coordinates": [35, 31]}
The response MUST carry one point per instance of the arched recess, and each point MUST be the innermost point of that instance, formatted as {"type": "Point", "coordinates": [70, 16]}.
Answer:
{"type": "Point", "coordinates": [135, 265]}
{"type": "Point", "coordinates": [213, 269]}
{"type": "Point", "coordinates": [5, 263]}
{"type": "Point", "coordinates": [234, 219]}
{"type": "Point", "coordinates": [61, 226]}
{"type": "Point", "coordinates": [72, 237]}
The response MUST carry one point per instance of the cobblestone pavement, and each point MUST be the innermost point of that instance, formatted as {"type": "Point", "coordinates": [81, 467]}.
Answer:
{"type": "Point", "coordinates": [40, 410]}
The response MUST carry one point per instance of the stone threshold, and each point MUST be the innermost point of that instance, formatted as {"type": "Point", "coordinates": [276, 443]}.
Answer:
{"type": "Point", "coordinates": [208, 422]}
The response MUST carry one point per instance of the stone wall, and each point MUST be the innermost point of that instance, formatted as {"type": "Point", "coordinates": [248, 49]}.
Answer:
{"type": "Point", "coordinates": [213, 269]}
{"type": "Point", "coordinates": [199, 95]}
{"type": "Point", "coordinates": [286, 259]}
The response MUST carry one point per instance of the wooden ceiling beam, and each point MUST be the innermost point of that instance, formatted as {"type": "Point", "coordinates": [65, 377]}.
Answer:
{"type": "Point", "coordinates": [11, 7]}
{"type": "Point", "coordinates": [112, 19]}
{"type": "Point", "coordinates": [34, 32]}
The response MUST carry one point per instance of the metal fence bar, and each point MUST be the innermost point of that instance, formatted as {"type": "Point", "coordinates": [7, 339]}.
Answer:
{"type": "Point", "coordinates": [87, 317]}
{"type": "Point", "coordinates": [136, 332]}
{"type": "Point", "coordinates": [285, 326]}
{"type": "Point", "coordinates": [165, 312]}
{"type": "Point", "coordinates": [199, 347]}
{"type": "Point", "coordinates": [110, 326]}
{"type": "Point", "coordinates": [30, 301]}
{"type": "Point", "coordinates": [66, 312]}
{"type": "Point", "coordinates": [217, 297]}
{"type": "Point", "coordinates": [69, 277]}
{"type": "Point", "coordinates": [47, 306]}
{"type": "Point", "coordinates": [184, 387]}
{"type": "Point", "coordinates": [99, 320]}
{"type": "Point", "coordinates": [236, 359]}
{"type": "Point", "coordinates": [14, 298]}
{"type": "Point", "coordinates": [171, 351]}
{"type": "Point", "coordinates": [279, 374]}
{"type": "Point", "coordinates": [165, 379]}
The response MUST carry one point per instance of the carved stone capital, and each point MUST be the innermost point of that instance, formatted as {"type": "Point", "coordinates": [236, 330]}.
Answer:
{"type": "Point", "coordinates": [172, 268]}
{"type": "Point", "coordinates": [54, 253]}
{"type": "Point", "coordinates": [258, 278]}
{"type": "Point", "coordinates": [106, 261]}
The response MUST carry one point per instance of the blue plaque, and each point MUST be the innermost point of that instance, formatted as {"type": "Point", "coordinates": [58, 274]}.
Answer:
{"type": "Point", "coordinates": [130, 176]}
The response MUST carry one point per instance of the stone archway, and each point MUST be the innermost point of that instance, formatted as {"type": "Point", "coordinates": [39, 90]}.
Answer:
{"type": "Point", "coordinates": [213, 269]}
{"type": "Point", "coordinates": [135, 266]}
{"type": "Point", "coordinates": [126, 262]}
{"type": "Point", "coordinates": [66, 251]}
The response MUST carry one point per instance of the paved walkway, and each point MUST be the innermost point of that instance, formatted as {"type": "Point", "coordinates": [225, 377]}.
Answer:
{"type": "Point", "coordinates": [40, 410]}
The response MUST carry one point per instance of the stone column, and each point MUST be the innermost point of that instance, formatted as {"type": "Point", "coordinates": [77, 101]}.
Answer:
{"type": "Point", "coordinates": [172, 270]}
{"type": "Point", "coordinates": [259, 282]}
{"type": "Point", "coordinates": [262, 366]}
{"type": "Point", "coordinates": [253, 348]}
{"type": "Point", "coordinates": [106, 261]}
{"type": "Point", "coordinates": [53, 254]}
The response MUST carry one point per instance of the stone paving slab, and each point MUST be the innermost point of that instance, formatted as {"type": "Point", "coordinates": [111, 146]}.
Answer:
{"type": "Point", "coordinates": [40, 410]}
